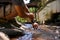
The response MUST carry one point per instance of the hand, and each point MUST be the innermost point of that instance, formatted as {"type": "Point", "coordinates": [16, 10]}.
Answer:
{"type": "Point", "coordinates": [31, 16]}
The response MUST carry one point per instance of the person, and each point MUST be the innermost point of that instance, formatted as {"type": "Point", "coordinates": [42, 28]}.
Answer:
{"type": "Point", "coordinates": [18, 8]}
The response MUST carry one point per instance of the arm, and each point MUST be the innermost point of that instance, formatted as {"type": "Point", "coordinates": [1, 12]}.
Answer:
{"type": "Point", "coordinates": [22, 10]}
{"type": "Point", "coordinates": [24, 13]}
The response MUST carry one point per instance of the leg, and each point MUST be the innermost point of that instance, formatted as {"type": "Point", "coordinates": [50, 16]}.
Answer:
{"type": "Point", "coordinates": [3, 36]}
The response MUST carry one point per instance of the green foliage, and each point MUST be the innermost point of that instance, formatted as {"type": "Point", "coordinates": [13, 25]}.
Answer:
{"type": "Point", "coordinates": [30, 9]}
{"type": "Point", "coordinates": [22, 20]}
{"type": "Point", "coordinates": [33, 9]}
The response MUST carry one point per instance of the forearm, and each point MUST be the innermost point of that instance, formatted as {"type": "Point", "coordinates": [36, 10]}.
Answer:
{"type": "Point", "coordinates": [26, 9]}
{"type": "Point", "coordinates": [20, 11]}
